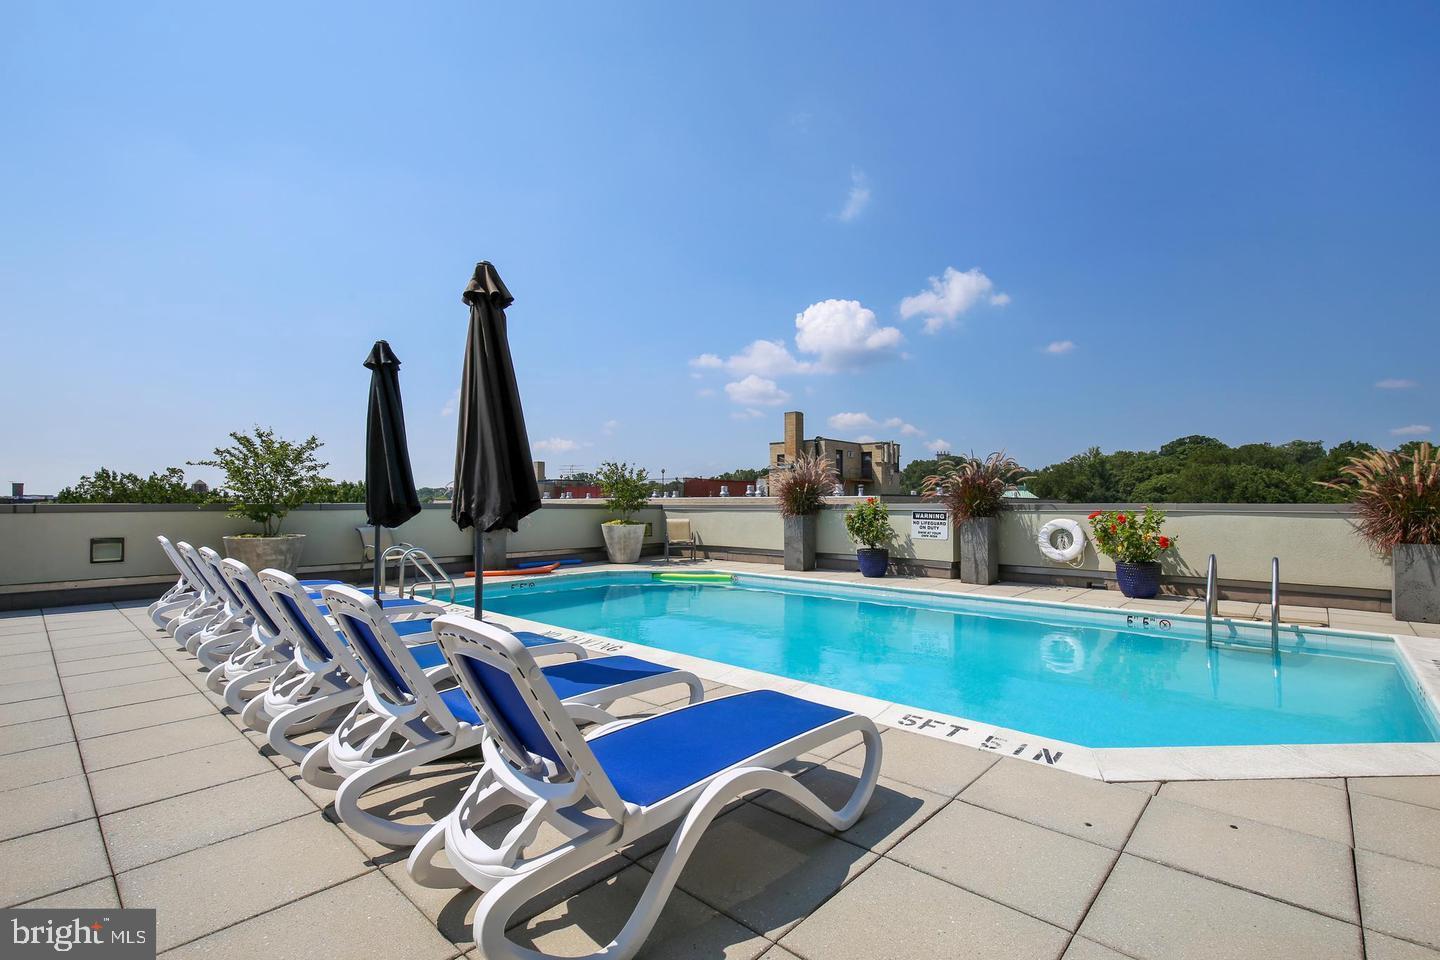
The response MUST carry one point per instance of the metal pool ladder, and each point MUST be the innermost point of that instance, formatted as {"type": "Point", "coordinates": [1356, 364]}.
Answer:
{"type": "Point", "coordinates": [426, 570]}
{"type": "Point", "coordinates": [1275, 606]}
{"type": "Point", "coordinates": [1210, 601]}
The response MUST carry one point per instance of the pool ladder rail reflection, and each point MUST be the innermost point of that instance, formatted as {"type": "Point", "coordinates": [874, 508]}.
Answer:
{"type": "Point", "coordinates": [1212, 600]}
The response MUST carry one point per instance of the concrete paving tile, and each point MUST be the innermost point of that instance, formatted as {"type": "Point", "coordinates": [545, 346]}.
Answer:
{"type": "Point", "coordinates": [1422, 790]}
{"type": "Point", "coordinates": [1082, 949]}
{"type": "Point", "coordinates": [934, 765]}
{"type": "Point", "coordinates": [373, 913]}
{"type": "Point", "coordinates": [1151, 787]}
{"type": "Point", "coordinates": [1398, 897]}
{"type": "Point", "coordinates": [117, 749]}
{"type": "Point", "coordinates": [1036, 871]}
{"type": "Point", "coordinates": [895, 911]}
{"type": "Point", "coordinates": [91, 700]}
{"type": "Point", "coordinates": [39, 765]}
{"type": "Point", "coordinates": [1290, 804]}
{"type": "Point", "coordinates": [895, 808]}
{"type": "Point", "coordinates": [125, 661]}
{"type": "Point", "coordinates": [1287, 865]}
{"type": "Point", "coordinates": [95, 895]}
{"type": "Point", "coordinates": [1099, 812]}
{"type": "Point", "coordinates": [589, 920]}
{"type": "Point", "coordinates": [29, 690]}
{"type": "Point", "coordinates": [778, 953]}
{"type": "Point", "coordinates": [120, 788]}
{"type": "Point", "coordinates": [187, 822]}
{"type": "Point", "coordinates": [1380, 947]}
{"type": "Point", "coordinates": [152, 713]}
{"type": "Point", "coordinates": [88, 639]}
{"type": "Point", "coordinates": [31, 643]}
{"type": "Point", "coordinates": [240, 878]}
{"type": "Point", "coordinates": [14, 661]}
{"type": "Point", "coordinates": [104, 652]}
{"type": "Point", "coordinates": [40, 864]}
{"type": "Point", "coordinates": [103, 679]}
{"type": "Point", "coordinates": [765, 870]}
{"type": "Point", "coordinates": [43, 806]}
{"type": "Point", "coordinates": [1152, 912]}
{"type": "Point", "coordinates": [36, 673]}
{"type": "Point", "coordinates": [1404, 830]}
{"type": "Point", "coordinates": [37, 733]}
{"type": "Point", "coordinates": [30, 710]}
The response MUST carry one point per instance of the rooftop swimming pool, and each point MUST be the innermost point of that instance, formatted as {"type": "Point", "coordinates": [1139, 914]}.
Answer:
{"type": "Point", "coordinates": [1096, 678]}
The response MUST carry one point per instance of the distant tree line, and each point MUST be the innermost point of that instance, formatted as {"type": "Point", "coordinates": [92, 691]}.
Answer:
{"type": "Point", "coordinates": [169, 486]}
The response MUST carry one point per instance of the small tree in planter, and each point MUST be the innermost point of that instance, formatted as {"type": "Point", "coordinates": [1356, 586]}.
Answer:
{"type": "Point", "coordinates": [1135, 544]}
{"type": "Point", "coordinates": [801, 490]}
{"type": "Point", "coordinates": [868, 524]}
{"type": "Point", "coordinates": [628, 490]}
{"type": "Point", "coordinates": [1397, 506]}
{"type": "Point", "coordinates": [266, 478]}
{"type": "Point", "coordinates": [973, 490]}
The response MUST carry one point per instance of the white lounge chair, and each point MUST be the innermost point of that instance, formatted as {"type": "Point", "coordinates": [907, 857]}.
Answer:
{"type": "Point", "coordinates": [403, 711]}
{"type": "Point", "coordinates": [172, 602]}
{"type": "Point", "coordinates": [605, 791]}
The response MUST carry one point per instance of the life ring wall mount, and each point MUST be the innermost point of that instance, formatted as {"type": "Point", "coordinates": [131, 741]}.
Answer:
{"type": "Point", "coordinates": [1062, 541]}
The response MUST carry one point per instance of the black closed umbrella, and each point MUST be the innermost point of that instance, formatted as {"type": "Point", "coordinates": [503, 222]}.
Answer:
{"type": "Point", "coordinates": [494, 480]}
{"type": "Point", "coordinates": [390, 497]}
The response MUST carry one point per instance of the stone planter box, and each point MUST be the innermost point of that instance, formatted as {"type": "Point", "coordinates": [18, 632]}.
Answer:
{"type": "Point", "coordinates": [800, 536]}
{"type": "Point", "coordinates": [263, 553]}
{"type": "Point", "coordinates": [980, 550]}
{"type": "Point", "coordinates": [623, 541]}
{"type": "Point", "coordinates": [1416, 572]}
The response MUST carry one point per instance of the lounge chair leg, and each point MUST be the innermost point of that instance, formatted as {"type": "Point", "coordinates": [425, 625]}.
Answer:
{"type": "Point", "coordinates": [235, 697]}
{"type": "Point", "coordinates": [298, 720]}
{"type": "Point", "coordinates": [315, 767]}
{"type": "Point", "coordinates": [347, 798]}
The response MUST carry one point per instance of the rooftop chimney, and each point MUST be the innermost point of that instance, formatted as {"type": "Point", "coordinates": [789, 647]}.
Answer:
{"type": "Point", "coordinates": [539, 471]}
{"type": "Point", "coordinates": [17, 490]}
{"type": "Point", "coordinates": [794, 433]}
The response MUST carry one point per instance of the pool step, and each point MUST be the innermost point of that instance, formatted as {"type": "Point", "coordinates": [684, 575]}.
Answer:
{"type": "Point", "coordinates": [692, 577]}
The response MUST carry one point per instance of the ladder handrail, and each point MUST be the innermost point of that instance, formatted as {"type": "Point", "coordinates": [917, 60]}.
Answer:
{"type": "Point", "coordinates": [435, 576]}
{"type": "Point", "coordinates": [1210, 601]}
{"type": "Point", "coordinates": [1275, 605]}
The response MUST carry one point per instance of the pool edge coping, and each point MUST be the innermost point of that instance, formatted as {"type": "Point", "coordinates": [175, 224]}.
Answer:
{"type": "Point", "coordinates": [1419, 658]}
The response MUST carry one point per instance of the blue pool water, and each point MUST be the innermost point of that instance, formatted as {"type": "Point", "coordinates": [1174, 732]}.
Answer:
{"type": "Point", "coordinates": [1089, 678]}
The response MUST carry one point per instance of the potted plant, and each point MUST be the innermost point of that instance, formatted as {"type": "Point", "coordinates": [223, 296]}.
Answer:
{"type": "Point", "coordinates": [266, 478]}
{"type": "Point", "coordinates": [801, 489]}
{"type": "Point", "coordinates": [973, 490]}
{"type": "Point", "coordinates": [1397, 507]}
{"type": "Point", "coordinates": [1136, 544]}
{"type": "Point", "coordinates": [628, 490]}
{"type": "Point", "coordinates": [868, 523]}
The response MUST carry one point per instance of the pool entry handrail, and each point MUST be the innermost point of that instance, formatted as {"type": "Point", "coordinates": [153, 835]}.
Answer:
{"type": "Point", "coordinates": [426, 570]}
{"type": "Point", "coordinates": [1275, 605]}
{"type": "Point", "coordinates": [1210, 601]}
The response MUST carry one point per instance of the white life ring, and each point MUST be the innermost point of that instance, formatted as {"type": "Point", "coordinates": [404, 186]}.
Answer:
{"type": "Point", "coordinates": [1067, 554]}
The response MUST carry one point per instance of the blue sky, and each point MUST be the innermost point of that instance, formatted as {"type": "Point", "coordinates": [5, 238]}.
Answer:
{"type": "Point", "coordinates": [1038, 226]}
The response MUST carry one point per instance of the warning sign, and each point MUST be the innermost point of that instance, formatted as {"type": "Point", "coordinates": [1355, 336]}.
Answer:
{"type": "Point", "coordinates": [930, 524]}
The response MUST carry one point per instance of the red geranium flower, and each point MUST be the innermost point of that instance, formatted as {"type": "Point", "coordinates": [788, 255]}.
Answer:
{"type": "Point", "coordinates": [1121, 518]}
{"type": "Point", "coordinates": [1164, 543]}
{"type": "Point", "coordinates": [1093, 515]}
{"type": "Point", "coordinates": [1112, 528]}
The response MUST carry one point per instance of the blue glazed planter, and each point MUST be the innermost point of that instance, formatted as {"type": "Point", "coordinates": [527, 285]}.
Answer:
{"type": "Point", "coordinates": [873, 563]}
{"type": "Point", "coordinates": [1139, 581]}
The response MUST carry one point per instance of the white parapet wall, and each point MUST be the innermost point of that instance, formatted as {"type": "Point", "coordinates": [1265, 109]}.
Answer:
{"type": "Point", "coordinates": [45, 548]}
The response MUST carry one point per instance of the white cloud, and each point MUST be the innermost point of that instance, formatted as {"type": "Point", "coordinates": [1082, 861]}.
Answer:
{"type": "Point", "coordinates": [1395, 383]}
{"type": "Point", "coordinates": [843, 334]}
{"type": "Point", "coordinates": [609, 427]}
{"type": "Point", "coordinates": [1060, 346]}
{"type": "Point", "coordinates": [851, 421]}
{"type": "Point", "coordinates": [756, 391]}
{"type": "Point", "coordinates": [906, 429]}
{"type": "Point", "coordinates": [707, 361]}
{"type": "Point", "coordinates": [764, 358]}
{"type": "Point", "coordinates": [748, 414]}
{"type": "Point", "coordinates": [858, 198]}
{"type": "Point", "coordinates": [705, 392]}
{"type": "Point", "coordinates": [451, 404]}
{"type": "Point", "coordinates": [557, 445]}
{"type": "Point", "coordinates": [950, 295]}
{"type": "Point", "coordinates": [1413, 430]}
{"type": "Point", "coordinates": [936, 445]}
{"type": "Point", "coordinates": [864, 438]}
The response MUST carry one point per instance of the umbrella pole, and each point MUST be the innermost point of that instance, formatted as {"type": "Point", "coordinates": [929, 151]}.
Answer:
{"type": "Point", "coordinates": [479, 573]}
{"type": "Point", "coordinates": [378, 598]}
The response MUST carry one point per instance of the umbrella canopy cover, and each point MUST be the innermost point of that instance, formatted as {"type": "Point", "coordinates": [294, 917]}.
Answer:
{"type": "Point", "coordinates": [494, 479]}
{"type": "Point", "coordinates": [390, 497]}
